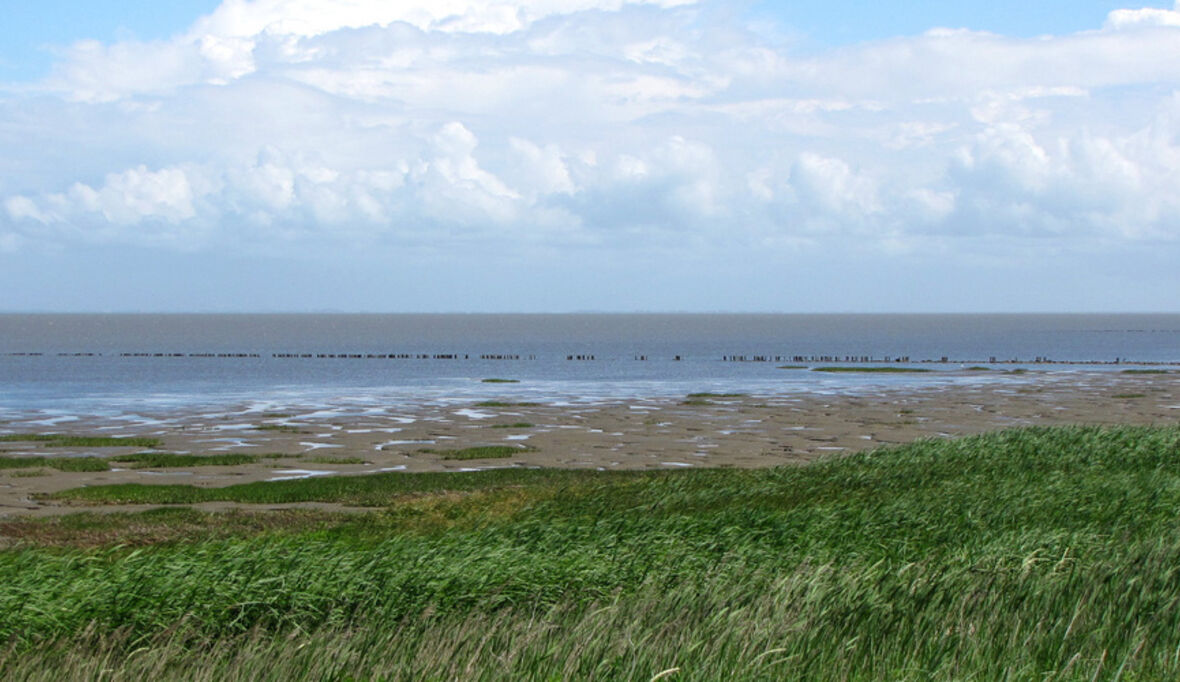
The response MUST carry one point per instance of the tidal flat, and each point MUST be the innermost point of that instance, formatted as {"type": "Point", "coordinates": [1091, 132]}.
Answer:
{"type": "Point", "coordinates": [219, 447]}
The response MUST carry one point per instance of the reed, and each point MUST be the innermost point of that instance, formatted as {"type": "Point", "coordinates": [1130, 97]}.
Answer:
{"type": "Point", "coordinates": [1046, 553]}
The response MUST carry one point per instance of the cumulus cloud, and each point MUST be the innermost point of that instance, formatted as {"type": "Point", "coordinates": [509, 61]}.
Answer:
{"type": "Point", "coordinates": [227, 43]}
{"type": "Point", "coordinates": [248, 18]}
{"type": "Point", "coordinates": [832, 187]}
{"type": "Point", "coordinates": [1137, 18]}
{"type": "Point", "coordinates": [611, 123]}
{"type": "Point", "coordinates": [125, 198]}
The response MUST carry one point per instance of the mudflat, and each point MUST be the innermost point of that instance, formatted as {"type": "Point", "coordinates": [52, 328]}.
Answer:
{"type": "Point", "coordinates": [700, 430]}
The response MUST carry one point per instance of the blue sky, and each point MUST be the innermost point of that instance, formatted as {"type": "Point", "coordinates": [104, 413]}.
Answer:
{"type": "Point", "coordinates": [519, 155]}
{"type": "Point", "coordinates": [840, 22]}
{"type": "Point", "coordinates": [32, 30]}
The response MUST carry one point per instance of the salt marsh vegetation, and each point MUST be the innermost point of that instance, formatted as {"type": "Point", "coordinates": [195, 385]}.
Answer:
{"type": "Point", "coordinates": [1038, 553]}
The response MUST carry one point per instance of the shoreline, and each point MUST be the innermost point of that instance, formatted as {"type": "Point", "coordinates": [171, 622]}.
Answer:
{"type": "Point", "coordinates": [703, 430]}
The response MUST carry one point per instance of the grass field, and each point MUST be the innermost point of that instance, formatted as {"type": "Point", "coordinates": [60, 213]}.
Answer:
{"type": "Point", "coordinates": [1044, 553]}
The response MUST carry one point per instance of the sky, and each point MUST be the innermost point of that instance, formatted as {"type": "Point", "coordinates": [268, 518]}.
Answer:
{"type": "Point", "coordinates": [577, 155]}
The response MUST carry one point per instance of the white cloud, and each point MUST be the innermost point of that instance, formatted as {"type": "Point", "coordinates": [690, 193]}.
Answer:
{"type": "Point", "coordinates": [247, 18]}
{"type": "Point", "coordinates": [129, 197]}
{"type": "Point", "coordinates": [929, 206]}
{"type": "Point", "coordinates": [831, 186]}
{"type": "Point", "coordinates": [23, 208]}
{"type": "Point", "coordinates": [454, 188]}
{"type": "Point", "coordinates": [270, 183]}
{"type": "Point", "coordinates": [1138, 18]}
{"type": "Point", "coordinates": [540, 170]}
{"type": "Point", "coordinates": [603, 122]}
{"type": "Point", "coordinates": [138, 194]}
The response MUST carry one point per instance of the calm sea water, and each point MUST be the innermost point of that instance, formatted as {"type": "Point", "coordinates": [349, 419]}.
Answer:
{"type": "Point", "coordinates": [108, 364]}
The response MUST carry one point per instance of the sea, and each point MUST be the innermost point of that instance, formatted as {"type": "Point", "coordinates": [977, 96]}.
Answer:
{"type": "Point", "coordinates": [115, 364]}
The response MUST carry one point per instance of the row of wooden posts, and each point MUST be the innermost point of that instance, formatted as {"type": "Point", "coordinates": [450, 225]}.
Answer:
{"type": "Point", "coordinates": [844, 359]}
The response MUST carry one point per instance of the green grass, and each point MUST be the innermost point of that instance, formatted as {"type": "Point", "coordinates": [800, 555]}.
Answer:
{"type": "Point", "coordinates": [162, 525]}
{"type": "Point", "coordinates": [164, 460]}
{"type": "Point", "coordinates": [517, 425]}
{"type": "Point", "coordinates": [56, 440]}
{"type": "Point", "coordinates": [716, 395]}
{"type": "Point", "coordinates": [500, 381]}
{"type": "Point", "coordinates": [1041, 553]}
{"type": "Point", "coordinates": [479, 452]}
{"type": "Point", "coordinates": [979, 368]}
{"type": "Point", "coordinates": [59, 463]}
{"type": "Point", "coordinates": [871, 370]}
{"type": "Point", "coordinates": [336, 460]}
{"type": "Point", "coordinates": [1146, 371]}
{"type": "Point", "coordinates": [371, 490]}
{"type": "Point", "coordinates": [1128, 396]}
{"type": "Point", "coordinates": [283, 428]}
{"type": "Point", "coordinates": [792, 367]}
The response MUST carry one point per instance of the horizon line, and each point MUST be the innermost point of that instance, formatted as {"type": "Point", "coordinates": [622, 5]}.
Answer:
{"type": "Point", "coordinates": [585, 312]}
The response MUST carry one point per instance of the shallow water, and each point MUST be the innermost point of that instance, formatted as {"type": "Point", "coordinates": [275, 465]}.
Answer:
{"type": "Point", "coordinates": [57, 367]}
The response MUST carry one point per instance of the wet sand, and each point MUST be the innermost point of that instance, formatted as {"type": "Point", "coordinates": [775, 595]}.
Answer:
{"type": "Point", "coordinates": [717, 431]}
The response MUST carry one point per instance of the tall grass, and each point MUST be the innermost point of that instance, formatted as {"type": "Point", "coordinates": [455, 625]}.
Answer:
{"type": "Point", "coordinates": [373, 490]}
{"type": "Point", "coordinates": [1028, 554]}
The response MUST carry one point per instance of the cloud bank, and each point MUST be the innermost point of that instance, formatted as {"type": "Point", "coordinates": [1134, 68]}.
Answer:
{"type": "Point", "coordinates": [597, 126]}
